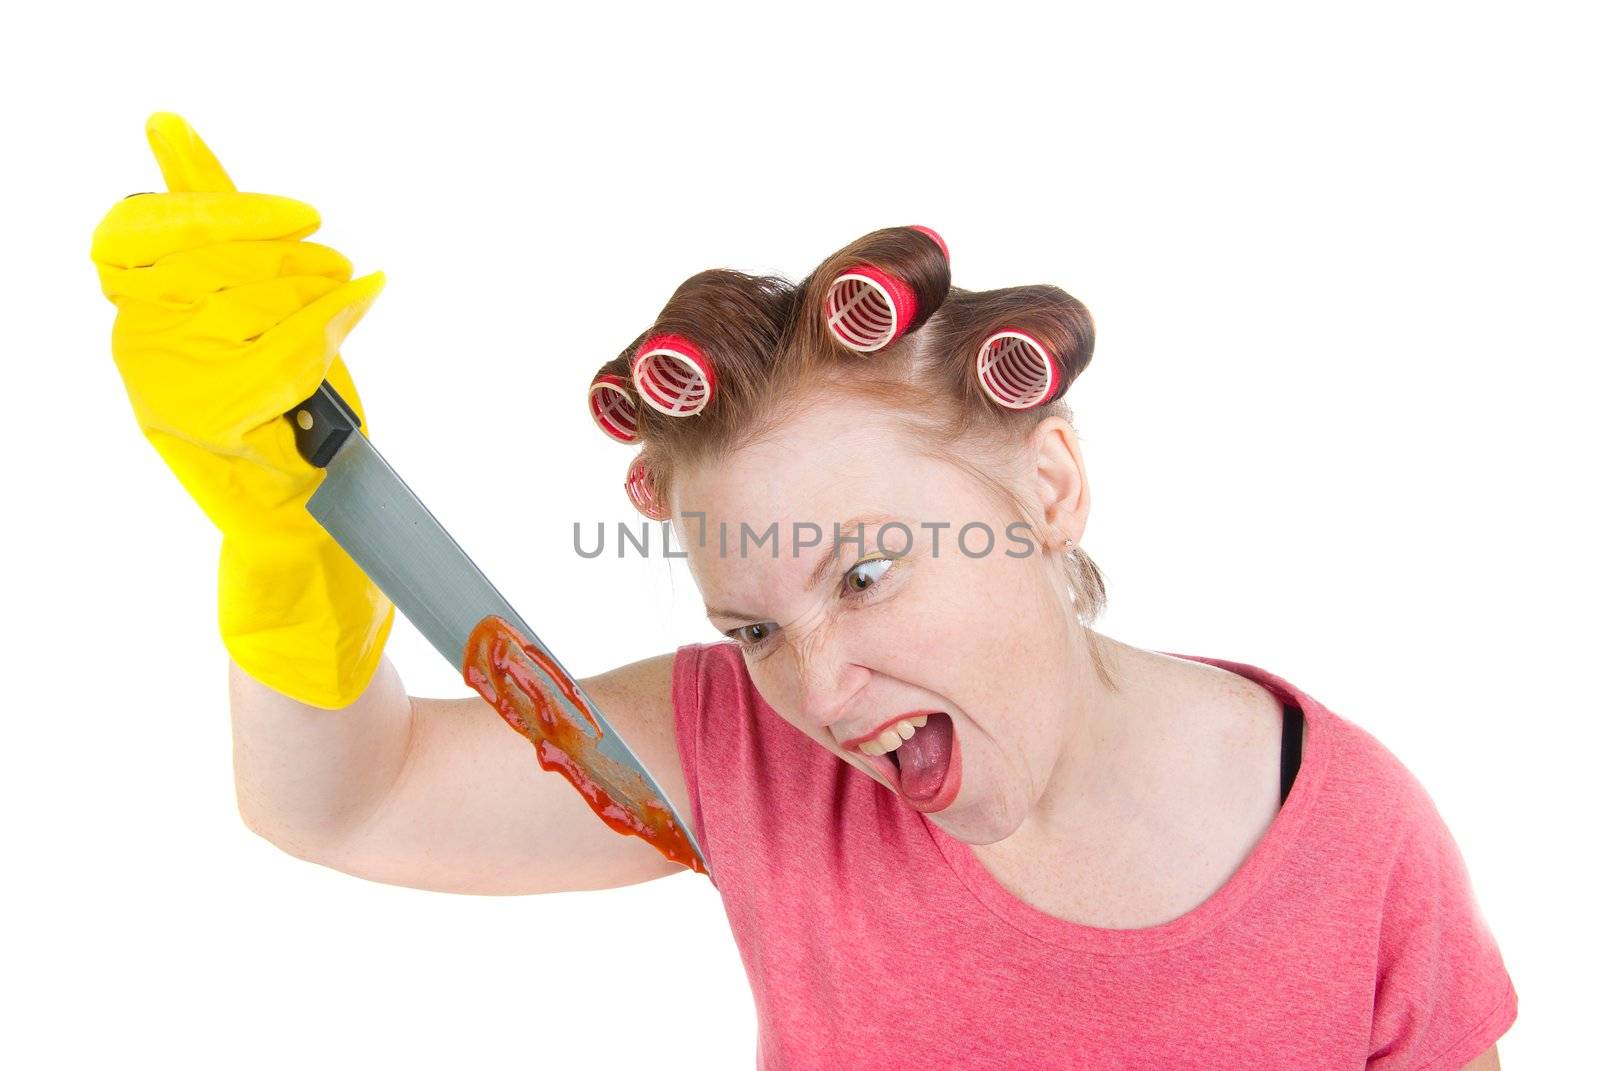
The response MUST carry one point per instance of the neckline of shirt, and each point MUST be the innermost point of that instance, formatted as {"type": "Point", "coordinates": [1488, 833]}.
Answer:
{"type": "Point", "coordinates": [1221, 905]}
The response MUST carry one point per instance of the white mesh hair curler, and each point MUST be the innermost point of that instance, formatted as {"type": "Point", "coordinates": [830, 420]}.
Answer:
{"type": "Point", "coordinates": [642, 491]}
{"type": "Point", "coordinates": [1018, 371]}
{"type": "Point", "coordinates": [673, 375]}
{"type": "Point", "coordinates": [867, 308]}
{"type": "Point", "coordinates": [613, 407]}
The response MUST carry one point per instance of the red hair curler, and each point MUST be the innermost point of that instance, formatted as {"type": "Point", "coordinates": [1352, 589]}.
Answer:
{"type": "Point", "coordinates": [613, 407]}
{"type": "Point", "coordinates": [1018, 371]}
{"type": "Point", "coordinates": [673, 375]}
{"type": "Point", "coordinates": [867, 308]}
{"type": "Point", "coordinates": [641, 490]}
{"type": "Point", "coordinates": [938, 241]}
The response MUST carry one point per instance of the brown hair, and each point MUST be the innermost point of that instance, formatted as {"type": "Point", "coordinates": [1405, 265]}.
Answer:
{"type": "Point", "coordinates": [770, 345]}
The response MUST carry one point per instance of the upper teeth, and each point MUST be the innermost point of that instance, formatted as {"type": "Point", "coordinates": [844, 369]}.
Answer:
{"type": "Point", "coordinates": [893, 736]}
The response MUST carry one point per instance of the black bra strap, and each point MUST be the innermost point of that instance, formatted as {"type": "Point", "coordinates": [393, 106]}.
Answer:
{"type": "Point", "coordinates": [1289, 762]}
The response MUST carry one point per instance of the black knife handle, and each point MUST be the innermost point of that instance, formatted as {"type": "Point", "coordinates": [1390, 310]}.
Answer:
{"type": "Point", "coordinates": [321, 425]}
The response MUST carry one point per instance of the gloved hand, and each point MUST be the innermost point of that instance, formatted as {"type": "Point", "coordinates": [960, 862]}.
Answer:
{"type": "Point", "coordinates": [225, 320]}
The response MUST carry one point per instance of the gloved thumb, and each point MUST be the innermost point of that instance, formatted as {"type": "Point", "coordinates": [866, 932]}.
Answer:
{"type": "Point", "coordinates": [187, 162]}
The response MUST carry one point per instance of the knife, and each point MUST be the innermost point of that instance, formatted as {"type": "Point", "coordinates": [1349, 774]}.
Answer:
{"type": "Point", "coordinates": [385, 528]}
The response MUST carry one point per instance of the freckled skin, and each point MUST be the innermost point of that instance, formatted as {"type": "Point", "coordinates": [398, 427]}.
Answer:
{"type": "Point", "coordinates": [935, 632]}
{"type": "Point", "coordinates": [1058, 769]}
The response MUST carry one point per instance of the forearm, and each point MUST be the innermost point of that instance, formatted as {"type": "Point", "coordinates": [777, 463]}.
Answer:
{"type": "Point", "coordinates": [308, 779]}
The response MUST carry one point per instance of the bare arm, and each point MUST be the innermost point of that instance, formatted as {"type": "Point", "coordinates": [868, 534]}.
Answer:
{"type": "Point", "coordinates": [441, 793]}
{"type": "Point", "coordinates": [1488, 1060]}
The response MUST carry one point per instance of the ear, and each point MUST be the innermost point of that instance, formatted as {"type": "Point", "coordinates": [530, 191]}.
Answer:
{"type": "Point", "coordinates": [1059, 480]}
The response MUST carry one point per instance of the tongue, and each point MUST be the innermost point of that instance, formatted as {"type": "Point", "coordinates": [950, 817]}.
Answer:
{"type": "Point", "coordinates": [925, 758]}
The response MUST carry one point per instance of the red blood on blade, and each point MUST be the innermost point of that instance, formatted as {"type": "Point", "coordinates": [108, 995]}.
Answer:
{"type": "Point", "coordinates": [925, 758]}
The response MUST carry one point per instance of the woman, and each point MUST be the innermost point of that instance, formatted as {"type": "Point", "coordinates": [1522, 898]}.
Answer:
{"type": "Point", "coordinates": [952, 825]}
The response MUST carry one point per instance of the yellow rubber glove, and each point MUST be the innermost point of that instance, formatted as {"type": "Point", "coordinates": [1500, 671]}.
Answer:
{"type": "Point", "coordinates": [225, 320]}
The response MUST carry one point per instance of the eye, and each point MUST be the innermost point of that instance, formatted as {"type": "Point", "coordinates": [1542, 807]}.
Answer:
{"type": "Point", "coordinates": [864, 574]}
{"type": "Point", "coordinates": [752, 635]}
{"type": "Point", "coordinates": [858, 581]}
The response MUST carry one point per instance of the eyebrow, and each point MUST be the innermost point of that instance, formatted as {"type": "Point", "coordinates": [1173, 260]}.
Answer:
{"type": "Point", "coordinates": [823, 563]}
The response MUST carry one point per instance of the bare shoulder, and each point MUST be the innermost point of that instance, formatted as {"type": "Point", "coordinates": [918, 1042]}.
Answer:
{"type": "Point", "coordinates": [1233, 711]}
{"type": "Point", "coordinates": [637, 700]}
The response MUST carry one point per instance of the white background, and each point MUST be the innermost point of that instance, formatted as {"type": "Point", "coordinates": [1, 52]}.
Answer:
{"type": "Point", "coordinates": [1338, 425]}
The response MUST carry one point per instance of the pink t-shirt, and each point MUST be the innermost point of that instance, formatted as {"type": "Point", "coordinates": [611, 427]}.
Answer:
{"type": "Point", "coordinates": [1348, 939]}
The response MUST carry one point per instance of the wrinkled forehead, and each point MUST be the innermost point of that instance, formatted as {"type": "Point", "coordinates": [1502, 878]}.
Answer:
{"type": "Point", "coordinates": [767, 512]}
{"type": "Point", "coordinates": [822, 469]}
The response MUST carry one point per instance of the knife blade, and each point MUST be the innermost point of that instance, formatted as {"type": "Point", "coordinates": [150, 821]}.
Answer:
{"type": "Point", "coordinates": [368, 509]}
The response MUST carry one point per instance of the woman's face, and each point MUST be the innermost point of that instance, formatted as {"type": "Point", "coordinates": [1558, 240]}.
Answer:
{"type": "Point", "coordinates": [980, 634]}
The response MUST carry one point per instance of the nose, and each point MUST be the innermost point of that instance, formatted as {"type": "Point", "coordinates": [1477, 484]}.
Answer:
{"type": "Point", "coordinates": [826, 683]}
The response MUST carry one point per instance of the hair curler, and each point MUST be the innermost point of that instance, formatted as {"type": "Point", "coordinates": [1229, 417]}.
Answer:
{"type": "Point", "coordinates": [613, 407]}
{"type": "Point", "coordinates": [673, 375]}
{"type": "Point", "coordinates": [867, 308]}
{"type": "Point", "coordinates": [641, 490]}
{"type": "Point", "coordinates": [938, 241]}
{"type": "Point", "coordinates": [1018, 371]}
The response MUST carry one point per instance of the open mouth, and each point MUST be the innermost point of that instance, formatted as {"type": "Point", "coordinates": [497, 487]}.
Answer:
{"type": "Point", "coordinates": [920, 767]}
